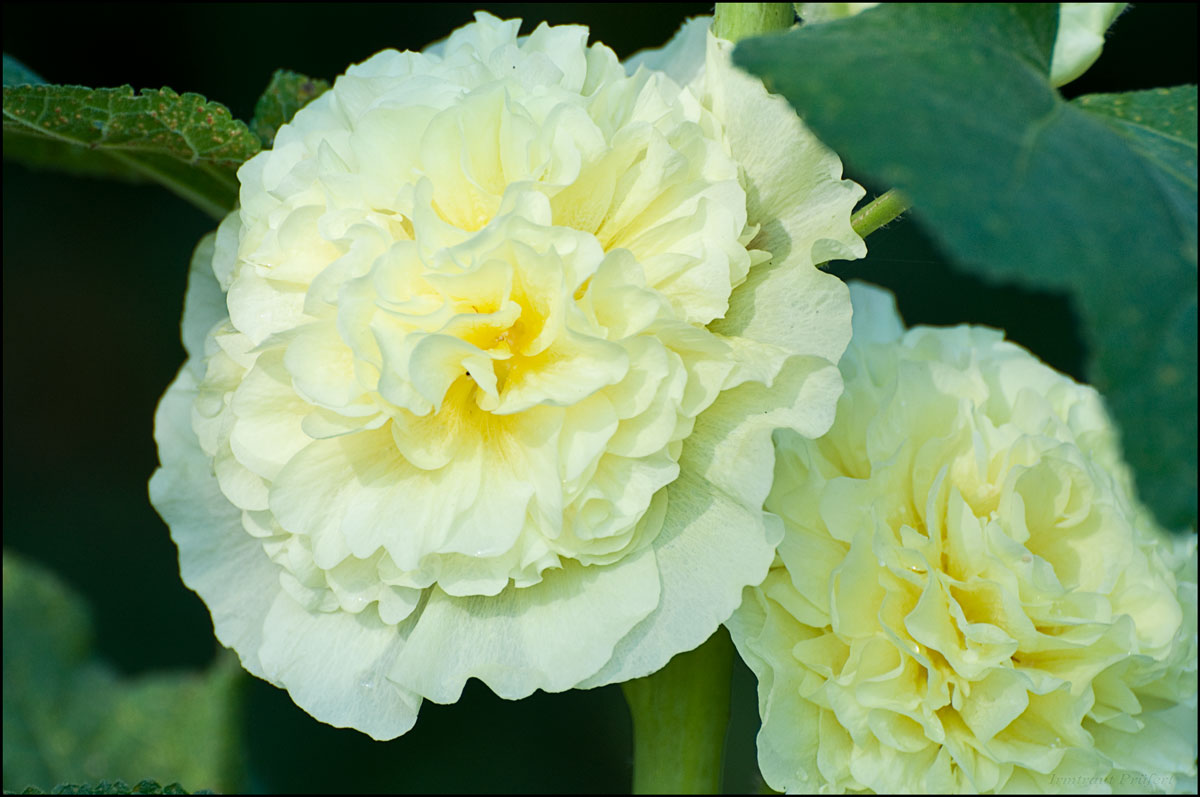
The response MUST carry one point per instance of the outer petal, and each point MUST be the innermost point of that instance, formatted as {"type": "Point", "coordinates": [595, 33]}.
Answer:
{"type": "Point", "coordinates": [715, 536]}
{"type": "Point", "coordinates": [548, 636]}
{"type": "Point", "coordinates": [204, 303]}
{"type": "Point", "coordinates": [876, 319]}
{"type": "Point", "coordinates": [330, 663]}
{"type": "Point", "coordinates": [682, 58]}
{"type": "Point", "coordinates": [793, 306]}
{"type": "Point", "coordinates": [205, 526]}
{"type": "Point", "coordinates": [208, 530]}
{"type": "Point", "coordinates": [793, 182]}
{"type": "Point", "coordinates": [787, 748]}
{"type": "Point", "coordinates": [335, 667]}
{"type": "Point", "coordinates": [324, 660]}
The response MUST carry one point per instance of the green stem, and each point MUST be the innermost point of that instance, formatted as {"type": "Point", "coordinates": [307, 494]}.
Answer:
{"type": "Point", "coordinates": [736, 21]}
{"type": "Point", "coordinates": [679, 718]}
{"type": "Point", "coordinates": [878, 212]}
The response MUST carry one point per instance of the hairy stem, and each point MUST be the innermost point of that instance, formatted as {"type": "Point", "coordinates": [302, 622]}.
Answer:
{"type": "Point", "coordinates": [878, 212]}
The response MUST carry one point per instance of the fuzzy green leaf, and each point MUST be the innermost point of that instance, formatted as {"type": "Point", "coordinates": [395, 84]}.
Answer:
{"type": "Point", "coordinates": [69, 719]}
{"type": "Point", "coordinates": [287, 93]}
{"type": "Point", "coordinates": [951, 104]}
{"type": "Point", "coordinates": [191, 146]}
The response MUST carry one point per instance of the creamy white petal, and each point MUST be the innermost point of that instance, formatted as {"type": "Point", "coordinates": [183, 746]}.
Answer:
{"type": "Point", "coordinates": [336, 667]}
{"type": "Point", "coordinates": [551, 636]}
{"type": "Point", "coordinates": [715, 535]}
{"type": "Point", "coordinates": [204, 303]}
{"type": "Point", "coordinates": [682, 58]}
{"type": "Point", "coordinates": [208, 530]}
{"type": "Point", "coordinates": [876, 319]}
{"type": "Point", "coordinates": [794, 191]}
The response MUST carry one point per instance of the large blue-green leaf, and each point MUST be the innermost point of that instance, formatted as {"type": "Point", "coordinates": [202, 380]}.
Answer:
{"type": "Point", "coordinates": [69, 719]}
{"type": "Point", "coordinates": [190, 145]}
{"type": "Point", "coordinates": [951, 103]}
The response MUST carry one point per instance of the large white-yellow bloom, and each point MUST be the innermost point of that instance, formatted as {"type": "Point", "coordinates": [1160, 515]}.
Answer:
{"type": "Point", "coordinates": [482, 374]}
{"type": "Point", "coordinates": [968, 596]}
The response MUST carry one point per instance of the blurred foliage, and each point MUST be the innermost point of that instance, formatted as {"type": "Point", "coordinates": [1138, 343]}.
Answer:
{"type": "Point", "coordinates": [951, 104]}
{"type": "Point", "coordinates": [68, 718]}
{"type": "Point", "coordinates": [114, 787]}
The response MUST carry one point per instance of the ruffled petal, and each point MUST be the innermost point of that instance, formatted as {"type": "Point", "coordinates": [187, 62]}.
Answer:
{"type": "Point", "coordinates": [335, 666]}
{"type": "Point", "coordinates": [715, 536]}
{"type": "Point", "coordinates": [204, 304]}
{"type": "Point", "coordinates": [551, 636]}
{"type": "Point", "coordinates": [682, 58]}
{"type": "Point", "coordinates": [208, 530]}
{"type": "Point", "coordinates": [794, 190]}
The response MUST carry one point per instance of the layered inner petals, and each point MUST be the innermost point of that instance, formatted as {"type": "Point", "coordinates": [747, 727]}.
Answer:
{"type": "Point", "coordinates": [473, 286]}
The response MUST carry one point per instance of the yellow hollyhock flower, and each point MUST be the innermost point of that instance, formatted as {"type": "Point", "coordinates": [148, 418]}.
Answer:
{"type": "Point", "coordinates": [968, 596]}
{"type": "Point", "coordinates": [482, 373]}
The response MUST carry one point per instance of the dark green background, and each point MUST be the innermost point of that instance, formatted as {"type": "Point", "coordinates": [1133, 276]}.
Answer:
{"type": "Point", "coordinates": [93, 284]}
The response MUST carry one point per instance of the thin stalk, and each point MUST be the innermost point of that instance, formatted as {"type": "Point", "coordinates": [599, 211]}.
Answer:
{"type": "Point", "coordinates": [878, 212]}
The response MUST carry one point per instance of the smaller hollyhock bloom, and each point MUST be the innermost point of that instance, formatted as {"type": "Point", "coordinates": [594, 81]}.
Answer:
{"type": "Point", "coordinates": [968, 596]}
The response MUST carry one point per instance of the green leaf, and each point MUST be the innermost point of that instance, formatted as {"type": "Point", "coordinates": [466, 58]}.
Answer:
{"type": "Point", "coordinates": [115, 787]}
{"type": "Point", "coordinates": [951, 104]}
{"type": "Point", "coordinates": [69, 719]}
{"type": "Point", "coordinates": [287, 93]}
{"type": "Point", "coordinates": [17, 74]}
{"type": "Point", "coordinates": [1147, 354]}
{"type": "Point", "coordinates": [191, 146]}
{"type": "Point", "coordinates": [1160, 125]}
